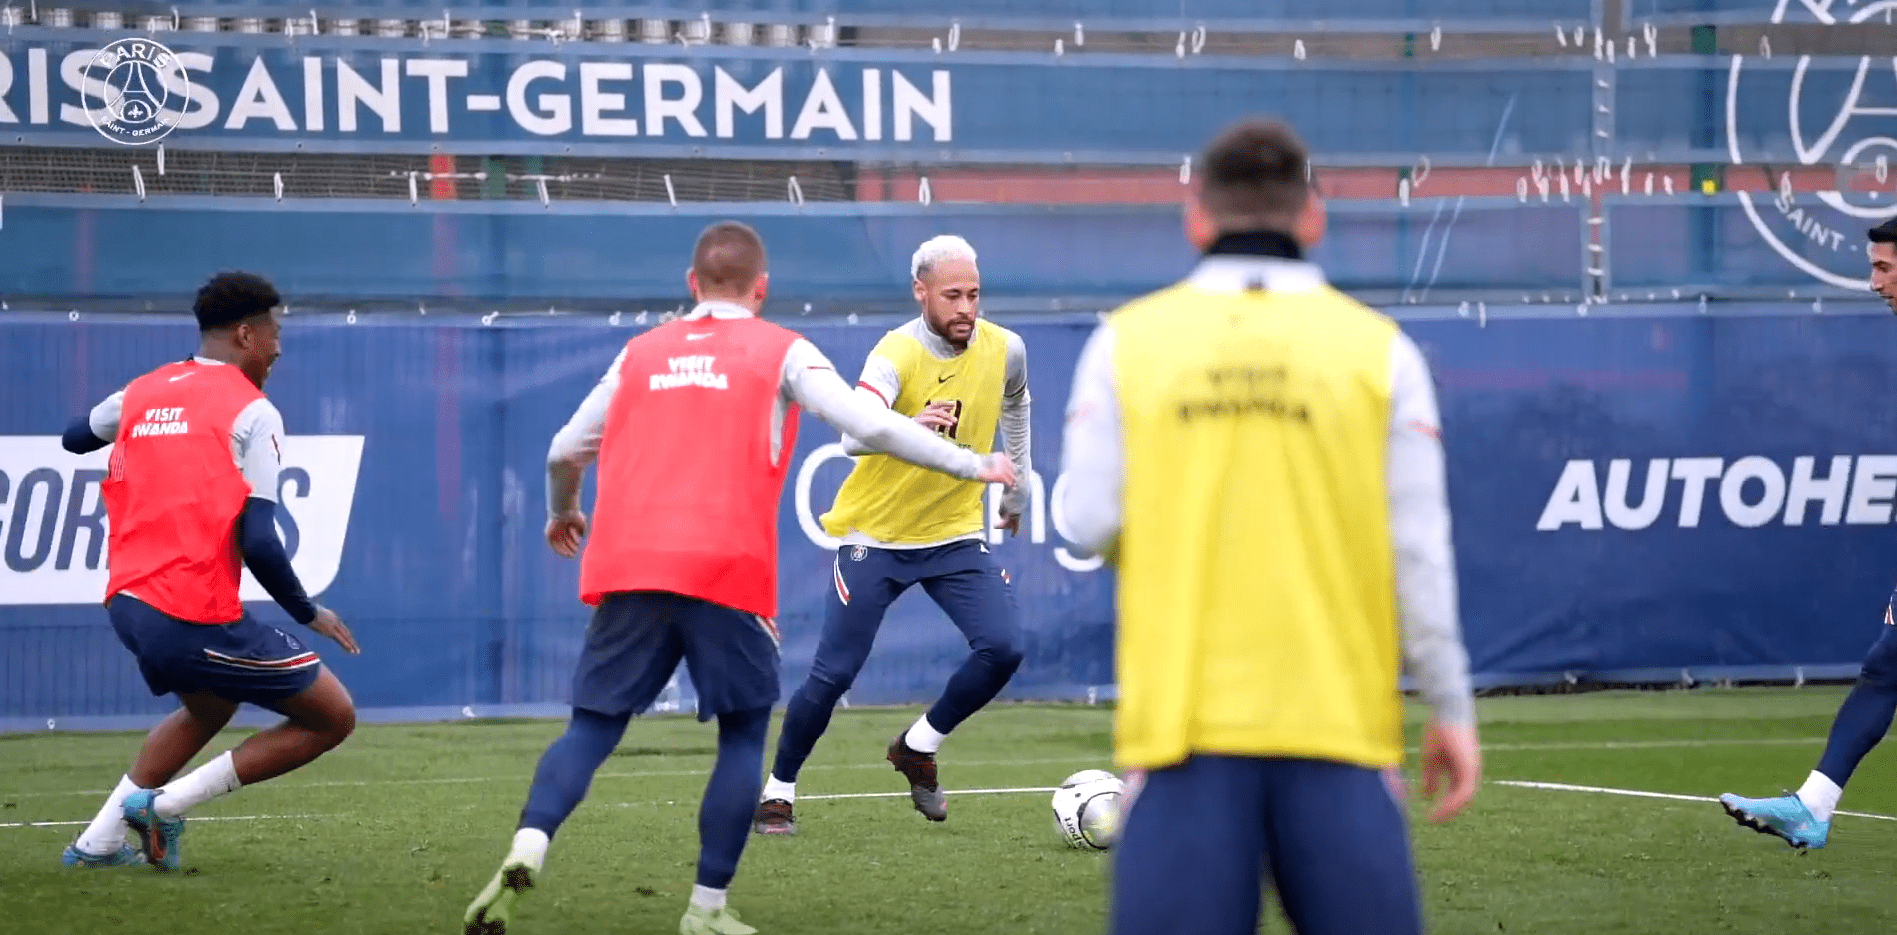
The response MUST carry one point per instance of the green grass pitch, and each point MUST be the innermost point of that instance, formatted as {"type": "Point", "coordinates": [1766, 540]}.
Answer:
{"type": "Point", "coordinates": [394, 832]}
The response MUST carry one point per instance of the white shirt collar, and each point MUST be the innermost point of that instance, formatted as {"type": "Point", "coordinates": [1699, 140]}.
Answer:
{"type": "Point", "coordinates": [716, 309]}
{"type": "Point", "coordinates": [937, 344]}
{"type": "Point", "coordinates": [206, 360]}
{"type": "Point", "coordinates": [1234, 273]}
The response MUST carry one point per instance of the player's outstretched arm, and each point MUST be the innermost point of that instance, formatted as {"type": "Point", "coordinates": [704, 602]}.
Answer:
{"type": "Point", "coordinates": [881, 383]}
{"type": "Point", "coordinates": [264, 556]}
{"type": "Point", "coordinates": [1093, 451]}
{"type": "Point", "coordinates": [812, 382]}
{"type": "Point", "coordinates": [1016, 434]}
{"type": "Point", "coordinates": [574, 447]}
{"type": "Point", "coordinates": [1426, 584]}
{"type": "Point", "coordinates": [97, 428]}
{"type": "Point", "coordinates": [79, 438]}
{"type": "Point", "coordinates": [256, 441]}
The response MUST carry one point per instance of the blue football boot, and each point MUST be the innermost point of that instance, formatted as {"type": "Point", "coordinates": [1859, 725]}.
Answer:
{"type": "Point", "coordinates": [158, 834]}
{"type": "Point", "coordinates": [1784, 816]}
{"type": "Point", "coordinates": [125, 856]}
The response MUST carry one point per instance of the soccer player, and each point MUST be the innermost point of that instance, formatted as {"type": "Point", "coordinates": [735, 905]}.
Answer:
{"type": "Point", "coordinates": [961, 376]}
{"type": "Point", "coordinates": [1260, 456]}
{"type": "Point", "coordinates": [693, 425]}
{"type": "Point", "coordinates": [190, 492]}
{"type": "Point", "coordinates": [1803, 818]}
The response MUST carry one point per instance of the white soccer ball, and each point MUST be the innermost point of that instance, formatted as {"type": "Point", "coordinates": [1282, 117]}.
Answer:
{"type": "Point", "coordinates": [1087, 809]}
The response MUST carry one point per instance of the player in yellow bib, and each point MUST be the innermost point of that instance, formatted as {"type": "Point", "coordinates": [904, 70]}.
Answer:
{"type": "Point", "coordinates": [964, 377]}
{"type": "Point", "coordinates": [1260, 455]}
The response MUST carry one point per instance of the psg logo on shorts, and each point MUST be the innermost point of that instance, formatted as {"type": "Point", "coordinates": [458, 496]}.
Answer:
{"type": "Point", "coordinates": [857, 552]}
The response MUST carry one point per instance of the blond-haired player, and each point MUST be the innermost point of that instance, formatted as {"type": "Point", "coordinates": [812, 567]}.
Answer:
{"type": "Point", "coordinates": [964, 377]}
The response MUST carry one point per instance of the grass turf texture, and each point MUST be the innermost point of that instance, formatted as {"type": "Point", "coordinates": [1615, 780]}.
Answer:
{"type": "Point", "coordinates": [397, 830]}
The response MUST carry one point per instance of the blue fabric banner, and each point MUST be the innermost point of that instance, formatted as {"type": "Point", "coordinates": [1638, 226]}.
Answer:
{"type": "Point", "coordinates": [1629, 493]}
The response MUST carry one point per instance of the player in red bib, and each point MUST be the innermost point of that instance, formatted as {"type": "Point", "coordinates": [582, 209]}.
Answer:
{"type": "Point", "coordinates": [693, 426]}
{"type": "Point", "coordinates": [191, 498]}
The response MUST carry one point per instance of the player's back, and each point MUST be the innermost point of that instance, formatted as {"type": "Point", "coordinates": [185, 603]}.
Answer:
{"type": "Point", "coordinates": [893, 501]}
{"type": "Point", "coordinates": [692, 462]}
{"type": "Point", "coordinates": [173, 491]}
{"type": "Point", "coordinates": [1256, 521]}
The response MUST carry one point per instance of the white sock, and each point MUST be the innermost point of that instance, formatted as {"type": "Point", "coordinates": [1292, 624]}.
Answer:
{"type": "Point", "coordinates": [1820, 795]}
{"type": "Point", "coordinates": [212, 780]}
{"type": "Point", "coordinates": [922, 738]}
{"type": "Point", "coordinates": [106, 834]}
{"type": "Point", "coordinates": [705, 897]}
{"type": "Point", "coordinates": [530, 848]}
{"type": "Point", "coordinates": [775, 788]}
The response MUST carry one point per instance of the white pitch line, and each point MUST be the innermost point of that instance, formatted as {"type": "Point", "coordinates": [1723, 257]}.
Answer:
{"type": "Point", "coordinates": [1644, 744]}
{"type": "Point", "coordinates": [844, 795]}
{"type": "Point", "coordinates": [866, 795]}
{"type": "Point", "coordinates": [525, 777]}
{"type": "Point", "coordinates": [1637, 793]}
{"type": "Point", "coordinates": [1021, 790]}
{"type": "Point", "coordinates": [64, 824]}
{"type": "Point", "coordinates": [895, 795]}
{"type": "Point", "coordinates": [1526, 747]}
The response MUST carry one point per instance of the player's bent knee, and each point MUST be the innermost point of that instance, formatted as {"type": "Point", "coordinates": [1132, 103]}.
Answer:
{"type": "Point", "coordinates": [1004, 656]}
{"type": "Point", "coordinates": [1880, 664]}
{"type": "Point", "coordinates": [827, 684]}
{"type": "Point", "coordinates": [333, 726]}
{"type": "Point", "coordinates": [343, 726]}
{"type": "Point", "coordinates": [324, 709]}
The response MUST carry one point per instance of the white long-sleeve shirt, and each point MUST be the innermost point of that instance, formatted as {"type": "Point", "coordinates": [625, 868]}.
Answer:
{"type": "Point", "coordinates": [881, 384]}
{"type": "Point", "coordinates": [808, 379]}
{"type": "Point", "coordinates": [1093, 460]}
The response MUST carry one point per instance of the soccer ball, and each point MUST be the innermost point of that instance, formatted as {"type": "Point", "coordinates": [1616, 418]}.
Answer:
{"type": "Point", "coordinates": [1087, 809]}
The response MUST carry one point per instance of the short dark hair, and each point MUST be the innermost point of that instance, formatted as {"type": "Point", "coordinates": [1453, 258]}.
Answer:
{"type": "Point", "coordinates": [729, 257]}
{"type": "Point", "coordinates": [232, 297]}
{"type": "Point", "coordinates": [1885, 232]}
{"type": "Point", "coordinates": [1255, 175]}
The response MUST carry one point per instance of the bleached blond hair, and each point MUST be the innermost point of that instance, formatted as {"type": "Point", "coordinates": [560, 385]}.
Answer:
{"type": "Point", "coordinates": [937, 249]}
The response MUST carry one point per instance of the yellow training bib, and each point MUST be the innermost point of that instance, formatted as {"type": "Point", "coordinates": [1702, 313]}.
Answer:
{"type": "Point", "coordinates": [1257, 605]}
{"type": "Point", "coordinates": [896, 502]}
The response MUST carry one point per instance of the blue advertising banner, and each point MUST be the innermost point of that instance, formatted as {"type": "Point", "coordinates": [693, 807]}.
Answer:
{"type": "Point", "coordinates": [1630, 494]}
{"type": "Point", "coordinates": [362, 94]}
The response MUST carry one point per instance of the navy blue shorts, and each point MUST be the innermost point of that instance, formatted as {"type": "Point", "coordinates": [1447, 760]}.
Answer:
{"type": "Point", "coordinates": [246, 661]}
{"type": "Point", "coordinates": [1203, 834]}
{"type": "Point", "coordinates": [961, 577]}
{"type": "Point", "coordinates": [637, 639]}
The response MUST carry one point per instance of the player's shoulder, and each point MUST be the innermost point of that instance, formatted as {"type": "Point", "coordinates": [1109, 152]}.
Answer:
{"type": "Point", "coordinates": [997, 332]}
{"type": "Point", "coordinates": [901, 344]}
{"type": "Point", "coordinates": [907, 334]}
{"type": "Point", "coordinates": [1341, 308]}
{"type": "Point", "coordinates": [758, 324]}
{"type": "Point", "coordinates": [1336, 298]}
{"type": "Point", "coordinates": [258, 415]}
{"type": "Point", "coordinates": [158, 374]}
{"type": "Point", "coordinates": [1156, 303]}
{"type": "Point", "coordinates": [260, 408]}
{"type": "Point", "coordinates": [656, 333]}
{"type": "Point", "coordinates": [1008, 340]}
